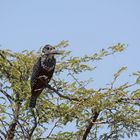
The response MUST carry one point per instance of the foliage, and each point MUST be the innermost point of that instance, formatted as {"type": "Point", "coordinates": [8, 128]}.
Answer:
{"type": "Point", "coordinates": [110, 112]}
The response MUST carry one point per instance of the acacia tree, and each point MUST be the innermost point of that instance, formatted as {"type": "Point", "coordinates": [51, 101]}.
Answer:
{"type": "Point", "coordinates": [110, 112]}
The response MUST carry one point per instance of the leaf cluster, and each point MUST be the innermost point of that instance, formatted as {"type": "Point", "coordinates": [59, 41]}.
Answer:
{"type": "Point", "coordinates": [68, 101]}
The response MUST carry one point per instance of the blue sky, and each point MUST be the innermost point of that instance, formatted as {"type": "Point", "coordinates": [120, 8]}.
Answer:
{"type": "Point", "coordinates": [89, 25]}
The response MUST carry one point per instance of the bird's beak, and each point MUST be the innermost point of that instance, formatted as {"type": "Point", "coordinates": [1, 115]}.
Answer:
{"type": "Point", "coordinates": [56, 52]}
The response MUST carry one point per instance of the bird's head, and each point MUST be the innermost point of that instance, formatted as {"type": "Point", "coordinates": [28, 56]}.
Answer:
{"type": "Point", "coordinates": [50, 50]}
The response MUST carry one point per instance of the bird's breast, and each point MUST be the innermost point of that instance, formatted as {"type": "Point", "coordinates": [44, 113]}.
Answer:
{"type": "Point", "coordinates": [48, 64]}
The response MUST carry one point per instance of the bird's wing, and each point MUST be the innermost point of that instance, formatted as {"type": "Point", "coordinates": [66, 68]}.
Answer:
{"type": "Point", "coordinates": [35, 71]}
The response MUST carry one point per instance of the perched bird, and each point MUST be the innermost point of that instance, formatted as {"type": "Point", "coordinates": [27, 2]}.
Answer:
{"type": "Point", "coordinates": [42, 72]}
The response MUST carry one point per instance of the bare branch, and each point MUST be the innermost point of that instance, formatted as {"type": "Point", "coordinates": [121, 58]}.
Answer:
{"type": "Point", "coordinates": [3, 133]}
{"type": "Point", "coordinates": [89, 125]}
{"type": "Point", "coordinates": [7, 95]}
{"type": "Point", "coordinates": [74, 78]}
{"type": "Point", "coordinates": [55, 125]}
{"type": "Point", "coordinates": [22, 129]}
{"type": "Point", "coordinates": [3, 124]}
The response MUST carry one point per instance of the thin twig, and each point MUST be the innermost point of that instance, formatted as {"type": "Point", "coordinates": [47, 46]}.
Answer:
{"type": "Point", "coordinates": [130, 100]}
{"type": "Point", "coordinates": [55, 125]}
{"type": "Point", "coordinates": [7, 95]}
{"type": "Point", "coordinates": [3, 57]}
{"type": "Point", "coordinates": [62, 96]}
{"type": "Point", "coordinates": [4, 124]}
{"type": "Point", "coordinates": [3, 133]}
{"type": "Point", "coordinates": [22, 128]}
{"type": "Point", "coordinates": [34, 125]}
{"type": "Point", "coordinates": [74, 78]}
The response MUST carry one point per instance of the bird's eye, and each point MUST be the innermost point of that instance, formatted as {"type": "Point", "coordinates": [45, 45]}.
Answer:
{"type": "Point", "coordinates": [47, 48]}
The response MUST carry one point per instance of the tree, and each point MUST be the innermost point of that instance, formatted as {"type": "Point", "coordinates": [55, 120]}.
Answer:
{"type": "Point", "coordinates": [110, 112]}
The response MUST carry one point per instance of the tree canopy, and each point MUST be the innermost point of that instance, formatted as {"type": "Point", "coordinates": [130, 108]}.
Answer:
{"type": "Point", "coordinates": [110, 112]}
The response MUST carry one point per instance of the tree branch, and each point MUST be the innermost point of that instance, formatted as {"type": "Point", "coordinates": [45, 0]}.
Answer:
{"type": "Point", "coordinates": [12, 126]}
{"type": "Point", "coordinates": [3, 57]}
{"type": "Point", "coordinates": [55, 125]}
{"type": "Point", "coordinates": [4, 135]}
{"type": "Point", "coordinates": [130, 100]}
{"type": "Point", "coordinates": [34, 126]}
{"type": "Point", "coordinates": [22, 129]}
{"type": "Point", "coordinates": [89, 125]}
{"type": "Point", "coordinates": [62, 96]}
{"type": "Point", "coordinates": [7, 95]}
{"type": "Point", "coordinates": [4, 123]}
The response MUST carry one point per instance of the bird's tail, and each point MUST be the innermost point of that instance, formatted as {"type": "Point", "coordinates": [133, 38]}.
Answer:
{"type": "Point", "coordinates": [32, 103]}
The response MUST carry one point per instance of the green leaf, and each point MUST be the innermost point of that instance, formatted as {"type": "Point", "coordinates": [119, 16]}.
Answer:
{"type": "Point", "coordinates": [116, 75]}
{"type": "Point", "coordinates": [138, 80]}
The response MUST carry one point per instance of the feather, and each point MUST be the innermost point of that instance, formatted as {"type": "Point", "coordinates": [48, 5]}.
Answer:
{"type": "Point", "coordinates": [42, 72]}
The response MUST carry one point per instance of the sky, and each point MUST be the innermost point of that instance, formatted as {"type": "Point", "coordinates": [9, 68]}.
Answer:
{"type": "Point", "coordinates": [88, 25]}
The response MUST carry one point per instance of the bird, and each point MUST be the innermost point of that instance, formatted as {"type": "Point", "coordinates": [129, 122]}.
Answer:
{"type": "Point", "coordinates": [42, 72]}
